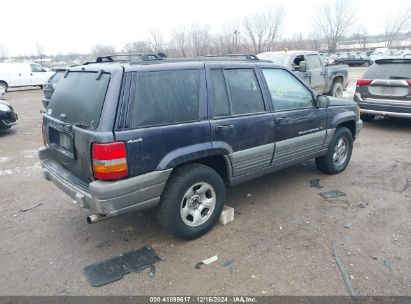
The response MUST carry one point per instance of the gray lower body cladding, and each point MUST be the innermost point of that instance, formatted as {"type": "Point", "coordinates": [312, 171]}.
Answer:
{"type": "Point", "coordinates": [105, 197]}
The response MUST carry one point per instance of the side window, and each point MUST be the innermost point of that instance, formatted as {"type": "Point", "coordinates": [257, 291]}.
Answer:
{"type": "Point", "coordinates": [36, 68]}
{"type": "Point", "coordinates": [244, 91]}
{"type": "Point", "coordinates": [286, 91]}
{"type": "Point", "coordinates": [166, 97]}
{"type": "Point", "coordinates": [221, 106]}
{"type": "Point", "coordinates": [314, 62]}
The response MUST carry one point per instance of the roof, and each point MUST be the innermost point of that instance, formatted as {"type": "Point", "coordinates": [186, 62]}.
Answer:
{"type": "Point", "coordinates": [292, 52]}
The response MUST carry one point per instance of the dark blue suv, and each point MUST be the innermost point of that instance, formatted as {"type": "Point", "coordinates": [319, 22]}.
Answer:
{"type": "Point", "coordinates": [122, 136]}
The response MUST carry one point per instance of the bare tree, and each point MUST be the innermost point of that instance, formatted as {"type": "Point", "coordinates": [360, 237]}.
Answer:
{"type": "Point", "coordinates": [102, 50]}
{"type": "Point", "coordinates": [156, 40]}
{"type": "Point", "coordinates": [199, 38]}
{"type": "Point", "coordinates": [360, 36]}
{"type": "Point", "coordinates": [228, 41]}
{"type": "Point", "coordinates": [395, 24]}
{"type": "Point", "coordinates": [333, 20]}
{"type": "Point", "coordinates": [40, 52]}
{"type": "Point", "coordinates": [180, 38]}
{"type": "Point", "coordinates": [263, 28]}
{"type": "Point", "coordinates": [316, 41]}
{"type": "Point", "coordinates": [4, 53]}
{"type": "Point", "coordinates": [139, 46]}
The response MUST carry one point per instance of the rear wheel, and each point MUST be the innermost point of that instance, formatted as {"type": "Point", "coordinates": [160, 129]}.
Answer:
{"type": "Point", "coordinates": [192, 201]}
{"type": "Point", "coordinates": [337, 89]}
{"type": "Point", "coordinates": [367, 117]}
{"type": "Point", "coordinates": [3, 86]}
{"type": "Point", "coordinates": [338, 154]}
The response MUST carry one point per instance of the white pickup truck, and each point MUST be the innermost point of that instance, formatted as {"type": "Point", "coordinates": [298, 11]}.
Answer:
{"type": "Point", "coordinates": [22, 74]}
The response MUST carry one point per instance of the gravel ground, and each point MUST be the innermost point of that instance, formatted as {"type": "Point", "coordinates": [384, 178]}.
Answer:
{"type": "Point", "coordinates": [280, 240]}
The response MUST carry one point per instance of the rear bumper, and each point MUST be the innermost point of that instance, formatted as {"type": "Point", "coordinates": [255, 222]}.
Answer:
{"type": "Point", "coordinates": [106, 198]}
{"type": "Point", "coordinates": [383, 107]}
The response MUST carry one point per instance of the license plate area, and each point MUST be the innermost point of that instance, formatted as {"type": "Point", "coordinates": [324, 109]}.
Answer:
{"type": "Point", "coordinates": [62, 141]}
{"type": "Point", "coordinates": [388, 91]}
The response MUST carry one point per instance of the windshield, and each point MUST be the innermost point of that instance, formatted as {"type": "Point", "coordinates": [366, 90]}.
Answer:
{"type": "Point", "coordinates": [79, 98]}
{"type": "Point", "coordinates": [278, 58]}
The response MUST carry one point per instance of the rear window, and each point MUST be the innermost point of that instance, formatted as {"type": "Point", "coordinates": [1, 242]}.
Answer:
{"type": "Point", "coordinates": [79, 98]}
{"type": "Point", "coordinates": [389, 70]}
{"type": "Point", "coordinates": [166, 97]}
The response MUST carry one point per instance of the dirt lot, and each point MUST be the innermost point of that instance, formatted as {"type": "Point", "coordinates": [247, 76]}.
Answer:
{"type": "Point", "coordinates": [280, 240]}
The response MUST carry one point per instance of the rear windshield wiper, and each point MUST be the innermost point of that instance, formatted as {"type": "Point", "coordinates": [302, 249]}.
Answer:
{"type": "Point", "coordinates": [398, 77]}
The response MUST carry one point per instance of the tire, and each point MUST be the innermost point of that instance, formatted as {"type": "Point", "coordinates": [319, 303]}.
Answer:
{"type": "Point", "coordinates": [183, 210]}
{"type": "Point", "coordinates": [367, 117]}
{"type": "Point", "coordinates": [337, 89]}
{"type": "Point", "coordinates": [4, 86]}
{"type": "Point", "coordinates": [3, 126]}
{"type": "Point", "coordinates": [332, 163]}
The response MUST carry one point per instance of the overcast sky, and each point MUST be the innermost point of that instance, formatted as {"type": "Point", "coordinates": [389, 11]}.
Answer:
{"type": "Point", "coordinates": [66, 26]}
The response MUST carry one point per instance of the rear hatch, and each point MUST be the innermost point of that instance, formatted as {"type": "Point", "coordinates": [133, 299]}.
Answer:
{"type": "Point", "coordinates": [387, 81]}
{"type": "Point", "coordinates": [72, 118]}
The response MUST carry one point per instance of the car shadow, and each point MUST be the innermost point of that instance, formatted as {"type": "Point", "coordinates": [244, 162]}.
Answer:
{"type": "Point", "coordinates": [391, 123]}
{"type": "Point", "coordinates": [7, 132]}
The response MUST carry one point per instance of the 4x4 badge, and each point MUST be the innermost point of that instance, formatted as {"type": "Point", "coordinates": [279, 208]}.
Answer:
{"type": "Point", "coordinates": [131, 141]}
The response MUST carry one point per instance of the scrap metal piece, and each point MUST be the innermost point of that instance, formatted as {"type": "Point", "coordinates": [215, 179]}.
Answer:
{"type": "Point", "coordinates": [340, 265]}
{"type": "Point", "coordinates": [332, 194]}
{"type": "Point", "coordinates": [114, 269]}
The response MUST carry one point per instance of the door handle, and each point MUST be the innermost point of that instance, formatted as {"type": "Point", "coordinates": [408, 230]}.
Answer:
{"type": "Point", "coordinates": [224, 127]}
{"type": "Point", "coordinates": [281, 119]}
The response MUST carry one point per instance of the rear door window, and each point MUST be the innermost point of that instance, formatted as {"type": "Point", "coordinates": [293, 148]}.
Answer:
{"type": "Point", "coordinates": [221, 106]}
{"type": "Point", "coordinates": [79, 98]}
{"type": "Point", "coordinates": [244, 91]}
{"type": "Point", "coordinates": [166, 97]}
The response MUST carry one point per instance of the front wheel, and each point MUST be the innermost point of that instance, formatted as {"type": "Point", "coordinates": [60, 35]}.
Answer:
{"type": "Point", "coordinates": [3, 86]}
{"type": "Point", "coordinates": [338, 154]}
{"type": "Point", "coordinates": [192, 201]}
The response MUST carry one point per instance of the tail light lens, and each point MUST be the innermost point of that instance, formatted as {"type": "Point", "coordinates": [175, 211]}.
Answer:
{"type": "Point", "coordinates": [363, 82]}
{"type": "Point", "coordinates": [109, 160]}
{"type": "Point", "coordinates": [409, 82]}
{"type": "Point", "coordinates": [43, 133]}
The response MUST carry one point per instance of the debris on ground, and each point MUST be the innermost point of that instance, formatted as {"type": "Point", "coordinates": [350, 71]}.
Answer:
{"type": "Point", "coordinates": [206, 262]}
{"type": "Point", "coordinates": [228, 263]}
{"type": "Point", "coordinates": [332, 194]}
{"type": "Point", "coordinates": [32, 207]}
{"type": "Point", "coordinates": [362, 205]}
{"type": "Point", "coordinates": [340, 265]}
{"type": "Point", "coordinates": [248, 195]}
{"type": "Point", "coordinates": [114, 269]}
{"type": "Point", "coordinates": [388, 265]}
{"type": "Point", "coordinates": [347, 225]}
{"type": "Point", "coordinates": [315, 183]}
{"type": "Point", "coordinates": [227, 216]}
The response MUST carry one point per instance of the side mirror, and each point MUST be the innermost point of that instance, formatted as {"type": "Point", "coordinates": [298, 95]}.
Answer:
{"type": "Point", "coordinates": [303, 67]}
{"type": "Point", "coordinates": [322, 101]}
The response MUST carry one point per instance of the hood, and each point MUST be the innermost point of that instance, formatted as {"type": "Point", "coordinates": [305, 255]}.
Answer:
{"type": "Point", "coordinates": [340, 101]}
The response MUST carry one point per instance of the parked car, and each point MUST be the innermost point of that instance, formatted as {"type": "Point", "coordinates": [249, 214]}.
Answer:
{"type": "Point", "coordinates": [330, 80]}
{"type": "Point", "coordinates": [8, 117]}
{"type": "Point", "coordinates": [50, 85]}
{"type": "Point", "coordinates": [22, 74]}
{"type": "Point", "coordinates": [354, 60]}
{"type": "Point", "coordinates": [121, 137]}
{"type": "Point", "coordinates": [385, 89]}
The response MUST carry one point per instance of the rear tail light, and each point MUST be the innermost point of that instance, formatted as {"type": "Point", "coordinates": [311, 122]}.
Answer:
{"type": "Point", "coordinates": [363, 82]}
{"type": "Point", "coordinates": [43, 133]}
{"type": "Point", "coordinates": [109, 160]}
{"type": "Point", "coordinates": [409, 82]}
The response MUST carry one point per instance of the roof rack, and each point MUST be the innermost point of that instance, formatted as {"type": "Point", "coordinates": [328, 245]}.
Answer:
{"type": "Point", "coordinates": [129, 57]}
{"type": "Point", "coordinates": [232, 56]}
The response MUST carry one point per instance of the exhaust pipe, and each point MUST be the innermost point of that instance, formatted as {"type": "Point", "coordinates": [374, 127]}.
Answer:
{"type": "Point", "coordinates": [94, 218]}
